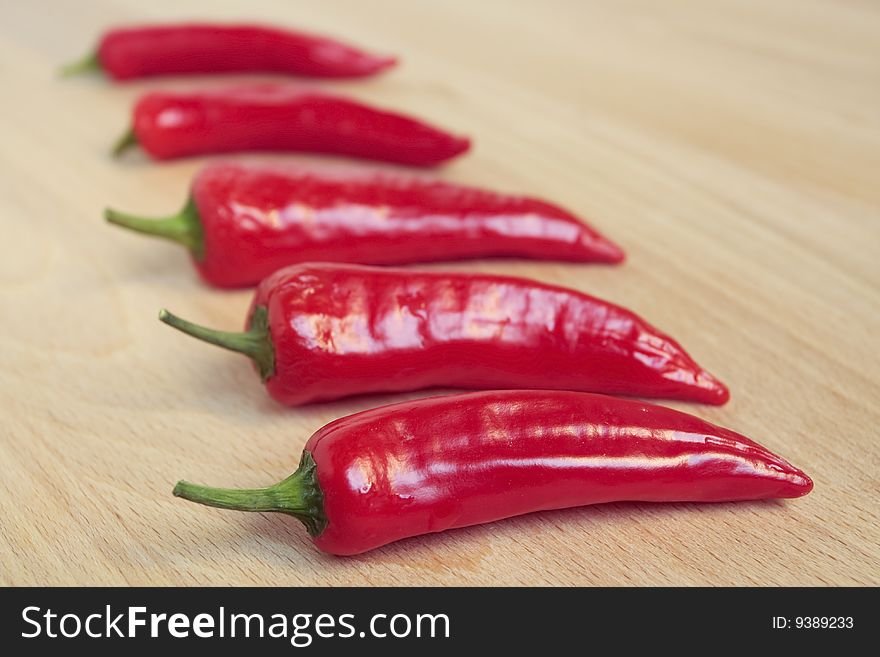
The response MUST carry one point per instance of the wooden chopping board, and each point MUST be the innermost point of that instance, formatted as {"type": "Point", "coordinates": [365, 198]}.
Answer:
{"type": "Point", "coordinates": [731, 147]}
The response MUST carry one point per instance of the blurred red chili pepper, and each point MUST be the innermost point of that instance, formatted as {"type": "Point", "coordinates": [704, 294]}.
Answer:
{"type": "Point", "coordinates": [150, 50]}
{"type": "Point", "coordinates": [244, 222]}
{"type": "Point", "coordinates": [322, 331]}
{"type": "Point", "coordinates": [277, 117]}
{"type": "Point", "coordinates": [434, 464]}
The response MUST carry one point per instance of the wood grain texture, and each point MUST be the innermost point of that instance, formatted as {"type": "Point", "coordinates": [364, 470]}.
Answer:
{"type": "Point", "coordinates": [732, 147]}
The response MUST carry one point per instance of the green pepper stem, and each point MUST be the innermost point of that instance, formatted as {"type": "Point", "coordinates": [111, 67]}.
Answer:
{"type": "Point", "coordinates": [299, 495]}
{"type": "Point", "coordinates": [126, 141]}
{"type": "Point", "coordinates": [256, 343]}
{"type": "Point", "coordinates": [185, 227]}
{"type": "Point", "coordinates": [88, 64]}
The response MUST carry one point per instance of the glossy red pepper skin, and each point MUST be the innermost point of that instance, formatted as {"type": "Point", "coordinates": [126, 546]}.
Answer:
{"type": "Point", "coordinates": [137, 52]}
{"type": "Point", "coordinates": [284, 117]}
{"type": "Point", "coordinates": [340, 330]}
{"type": "Point", "coordinates": [257, 219]}
{"type": "Point", "coordinates": [439, 463]}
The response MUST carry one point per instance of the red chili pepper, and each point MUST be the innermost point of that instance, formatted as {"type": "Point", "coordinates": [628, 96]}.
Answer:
{"type": "Point", "coordinates": [244, 222]}
{"type": "Point", "coordinates": [138, 52]}
{"type": "Point", "coordinates": [321, 331]}
{"type": "Point", "coordinates": [282, 117]}
{"type": "Point", "coordinates": [434, 464]}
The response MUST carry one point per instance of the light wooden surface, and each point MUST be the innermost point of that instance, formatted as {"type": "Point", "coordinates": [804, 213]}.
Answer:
{"type": "Point", "coordinates": [731, 147]}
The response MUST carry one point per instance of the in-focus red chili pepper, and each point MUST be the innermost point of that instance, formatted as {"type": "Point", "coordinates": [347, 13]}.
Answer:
{"type": "Point", "coordinates": [244, 222]}
{"type": "Point", "coordinates": [282, 117]}
{"type": "Point", "coordinates": [322, 331]}
{"type": "Point", "coordinates": [434, 464]}
{"type": "Point", "coordinates": [137, 52]}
